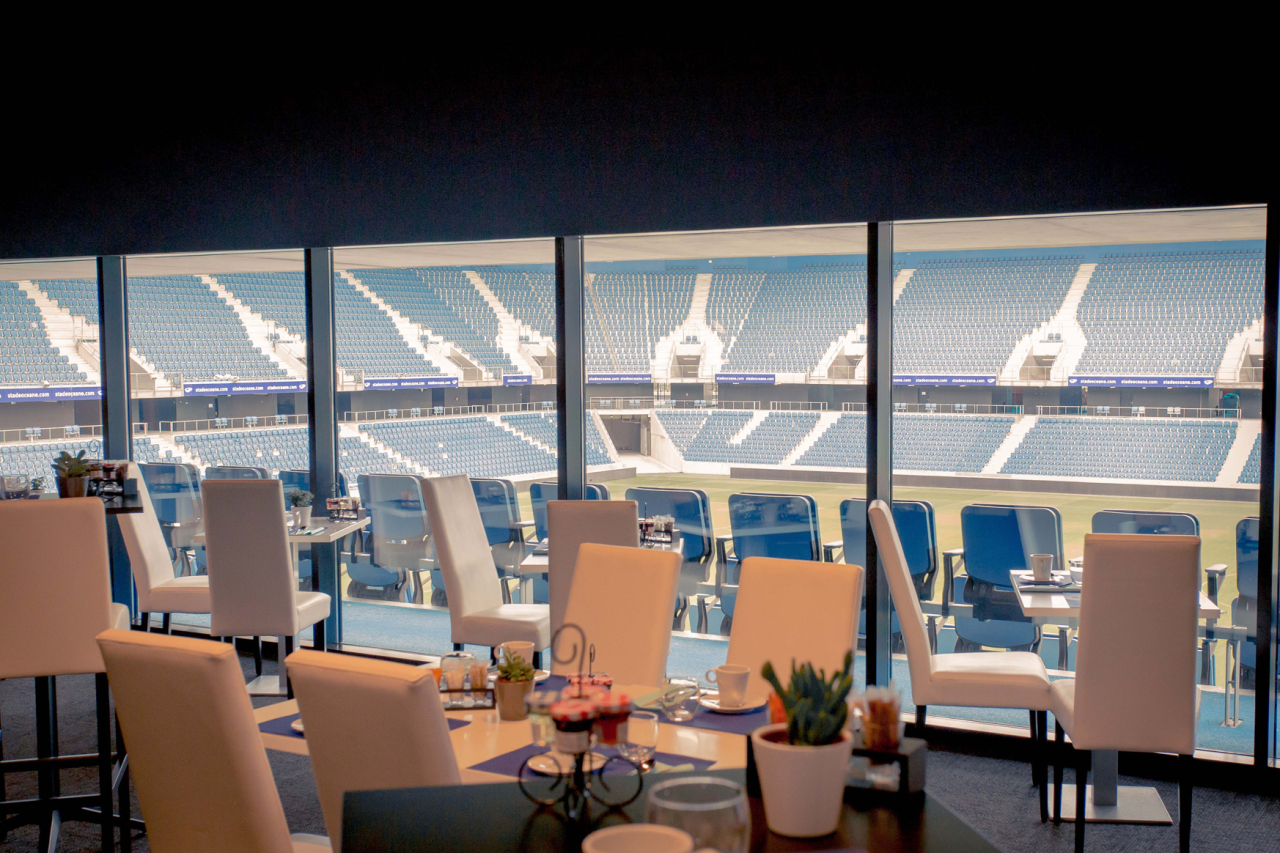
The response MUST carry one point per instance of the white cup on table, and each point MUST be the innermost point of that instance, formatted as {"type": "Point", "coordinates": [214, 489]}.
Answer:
{"type": "Point", "coordinates": [1042, 567]}
{"type": "Point", "coordinates": [638, 838]}
{"type": "Point", "coordinates": [732, 681]}
{"type": "Point", "coordinates": [523, 648]}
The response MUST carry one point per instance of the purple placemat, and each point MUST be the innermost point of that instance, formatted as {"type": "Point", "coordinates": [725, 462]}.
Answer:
{"type": "Point", "coordinates": [283, 726]}
{"type": "Point", "coordinates": [735, 724]}
{"type": "Point", "coordinates": [508, 764]}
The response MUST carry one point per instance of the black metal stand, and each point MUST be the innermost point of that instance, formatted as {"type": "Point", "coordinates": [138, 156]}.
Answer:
{"type": "Point", "coordinates": [574, 789]}
{"type": "Point", "coordinates": [50, 808]}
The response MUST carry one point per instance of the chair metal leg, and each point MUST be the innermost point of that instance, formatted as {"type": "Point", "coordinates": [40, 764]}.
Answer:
{"type": "Point", "coordinates": [922, 711]}
{"type": "Point", "coordinates": [144, 624]}
{"type": "Point", "coordinates": [1082, 783]}
{"type": "Point", "coordinates": [537, 660]}
{"type": "Point", "coordinates": [165, 627]}
{"type": "Point", "coordinates": [48, 783]}
{"type": "Point", "coordinates": [126, 807]}
{"type": "Point", "coordinates": [1186, 766]}
{"type": "Point", "coordinates": [457, 647]}
{"type": "Point", "coordinates": [284, 674]}
{"type": "Point", "coordinates": [106, 798]}
{"type": "Point", "coordinates": [1042, 761]}
{"type": "Point", "coordinates": [1060, 759]}
{"type": "Point", "coordinates": [257, 656]}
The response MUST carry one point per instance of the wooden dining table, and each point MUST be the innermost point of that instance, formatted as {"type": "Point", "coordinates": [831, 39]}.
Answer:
{"type": "Point", "coordinates": [487, 812]}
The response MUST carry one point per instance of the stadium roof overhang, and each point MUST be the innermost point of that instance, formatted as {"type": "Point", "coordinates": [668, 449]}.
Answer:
{"type": "Point", "coordinates": [1022, 232]}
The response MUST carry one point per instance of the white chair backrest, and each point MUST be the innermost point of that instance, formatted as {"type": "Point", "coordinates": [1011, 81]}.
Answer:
{"type": "Point", "coordinates": [624, 599]}
{"type": "Point", "coordinates": [408, 746]}
{"type": "Point", "coordinates": [251, 585]}
{"type": "Point", "coordinates": [571, 523]}
{"type": "Point", "coordinates": [903, 592]}
{"type": "Point", "coordinates": [1136, 654]}
{"type": "Point", "coordinates": [55, 586]}
{"type": "Point", "coordinates": [148, 553]}
{"type": "Point", "coordinates": [794, 610]}
{"type": "Point", "coordinates": [462, 549]}
{"type": "Point", "coordinates": [203, 781]}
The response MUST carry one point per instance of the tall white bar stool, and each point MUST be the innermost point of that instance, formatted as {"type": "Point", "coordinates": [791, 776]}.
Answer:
{"type": "Point", "coordinates": [159, 589]}
{"type": "Point", "coordinates": [252, 588]}
{"type": "Point", "coordinates": [200, 768]}
{"type": "Point", "coordinates": [408, 747]}
{"type": "Point", "coordinates": [476, 613]}
{"type": "Point", "coordinates": [1135, 686]}
{"type": "Point", "coordinates": [55, 598]}
{"type": "Point", "coordinates": [967, 679]}
{"type": "Point", "coordinates": [622, 599]}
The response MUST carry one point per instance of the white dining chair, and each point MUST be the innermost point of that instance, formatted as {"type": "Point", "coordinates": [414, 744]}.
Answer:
{"type": "Point", "coordinates": [409, 747]}
{"type": "Point", "coordinates": [252, 588]}
{"type": "Point", "coordinates": [793, 610]}
{"type": "Point", "coordinates": [199, 766]}
{"type": "Point", "coordinates": [159, 589]}
{"type": "Point", "coordinates": [476, 613]}
{"type": "Point", "coordinates": [622, 599]}
{"type": "Point", "coordinates": [1135, 686]}
{"type": "Point", "coordinates": [966, 679]}
{"type": "Point", "coordinates": [55, 598]}
{"type": "Point", "coordinates": [569, 525]}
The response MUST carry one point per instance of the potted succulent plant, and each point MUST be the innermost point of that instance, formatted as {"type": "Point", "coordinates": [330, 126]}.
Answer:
{"type": "Point", "coordinates": [301, 501]}
{"type": "Point", "coordinates": [803, 762]}
{"type": "Point", "coordinates": [73, 475]}
{"type": "Point", "coordinates": [515, 680]}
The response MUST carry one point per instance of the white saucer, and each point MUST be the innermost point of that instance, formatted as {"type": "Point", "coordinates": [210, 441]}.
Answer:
{"type": "Point", "coordinates": [711, 701]}
{"type": "Point", "coordinates": [538, 676]}
{"type": "Point", "coordinates": [296, 725]}
{"type": "Point", "coordinates": [559, 764]}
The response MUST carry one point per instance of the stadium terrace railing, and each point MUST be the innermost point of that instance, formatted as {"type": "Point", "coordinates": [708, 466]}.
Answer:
{"type": "Point", "coordinates": [1035, 372]}
{"type": "Point", "coordinates": [508, 408]}
{"type": "Point", "coordinates": [796, 406]}
{"type": "Point", "coordinates": [219, 424]}
{"type": "Point", "coordinates": [1135, 412]}
{"type": "Point", "coordinates": [624, 403]}
{"type": "Point", "coordinates": [149, 385]}
{"type": "Point", "coordinates": [945, 408]}
{"type": "Point", "coordinates": [411, 414]}
{"type": "Point", "coordinates": [1251, 375]}
{"type": "Point", "coordinates": [30, 435]}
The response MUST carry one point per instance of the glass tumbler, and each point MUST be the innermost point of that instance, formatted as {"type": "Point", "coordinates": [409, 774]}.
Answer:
{"type": "Point", "coordinates": [679, 698]}
{"type": "Point", "coordinates": [453, 671]}
{"type": "Point", "coordinates": [714, 811]}
{"type": "Point", "coordinates": [641, 742]}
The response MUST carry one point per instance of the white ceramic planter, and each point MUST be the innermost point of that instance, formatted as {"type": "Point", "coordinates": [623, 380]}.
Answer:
{"type": "Point", "coordinates": [802, 786]}
{"type": "Point", "coordinates": [302, 516]}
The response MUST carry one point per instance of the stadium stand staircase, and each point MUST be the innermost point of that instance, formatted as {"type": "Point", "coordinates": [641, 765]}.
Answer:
{"type": "Point", "coordinates": [1233, 358]}
{"type": "Point", "coordinates": [62, 330]}
{"type": "Point", "coordinates": [1246, 437]}
{"type": "Point", "coordinates": [757, 418]}
{"type": "Point", "coordinates": [509, 328]}
{"type": "Point", "coordinates": [257, 327]}
{"type": "Point", "coordinates": [1066, 324]}
{"type": "Point", "coordinates": [412, 333]}
{"type": "Point", "coordinates": [900, 282]}
{"type": "Point", "coordinates": [1021, 426]}
{"type": "Point", "coordinates": [350, 431]}
{"type": "Point", "coordinates": [838, 346]}
{"type": "Point", "coordinates": [497, 421]}
{"type": "Point", "coordinates": [171, 448]}
{"type": "Point", "coordinates": [603, 434]}
{"type": "Point", "coordinates": [825, 421]}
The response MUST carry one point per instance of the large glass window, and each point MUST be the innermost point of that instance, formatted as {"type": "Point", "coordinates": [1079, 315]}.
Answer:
{"type": "Point", "coordinates": [218, 382]}
{"type": "Point", "coordinates": [725, 382]}
{"type": "Point", "coordinates": [50, 388]}
{"type": "Point", "coordinates": [446, 365]}
{"type": "Point", "coordinates": [1064, 375]}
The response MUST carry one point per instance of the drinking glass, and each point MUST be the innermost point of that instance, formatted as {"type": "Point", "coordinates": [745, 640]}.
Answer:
{"type": "Point", "coordinates": [714, 811]}
{"type": "Point", "coordinates": [453, 670]}
{"type": "Point", "coordinates": [641, 742]}
{"type": "Point", "coordinates": [679, 698]}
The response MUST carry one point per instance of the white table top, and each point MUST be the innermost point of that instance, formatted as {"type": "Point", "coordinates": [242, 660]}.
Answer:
{"type": "Point", "coordinates": [488, 737]}
{"type": "Point", "coordinates": [537, 564]}
{"type": "Point", "coordinates": [1058, 605]}
{"type": "Point", "coordinates": [331, 531]}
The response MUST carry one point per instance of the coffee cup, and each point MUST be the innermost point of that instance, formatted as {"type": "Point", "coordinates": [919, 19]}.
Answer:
{"type": "Point", "coordinates": [732, 681]}
{"type": "Point", "coordinates": [523, 648]}
{"type": "Point", "coordinates": [638, 838]}
{"type": "Point", "coordinates": [1042, 567]}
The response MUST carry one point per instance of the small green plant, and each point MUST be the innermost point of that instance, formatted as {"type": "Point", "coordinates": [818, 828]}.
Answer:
{"type": "Point", "coordinates": [71, 466]}
{"type": "Point", "coordinates": [301, 497]}
{"type": "Point", "coordinates": [514, 668]}
{"type": "Point", "coordinates": [816, 709]}
{"type": "Point", "coordinates": [37, 484]}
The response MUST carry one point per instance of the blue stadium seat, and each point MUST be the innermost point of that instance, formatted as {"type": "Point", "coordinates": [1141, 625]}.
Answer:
{"type": "Point", "coordinates": [234, 472]}
{"type": "Point", "coordinates": [691, 509]}
{"type": "Point", "coordinates": [540, 493]}
{"type": "Point", "coordinates": [918, 532]}
{"type": "Point", "coordinates": [765, 525]}
{"type": "Point", "coordinates": [399, 538]}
